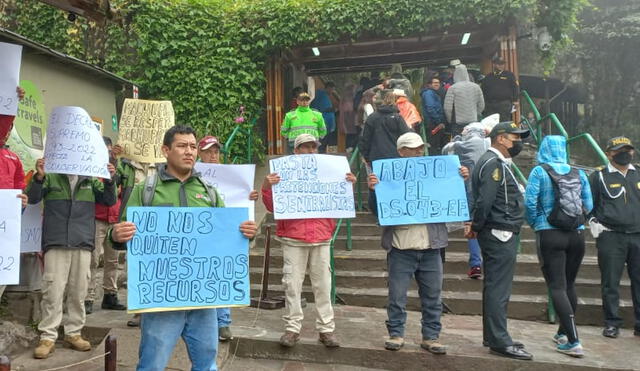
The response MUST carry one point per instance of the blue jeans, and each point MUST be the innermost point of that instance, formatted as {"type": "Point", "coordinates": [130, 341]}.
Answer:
{"type": "Point", "coordinates": [426, 267]}
{"type": "Point", "coordinates": [160, 332]}
{"type": "Point", "coordinates": [475, 257]}
{"type": "Point", "coordinates": [224, 317]}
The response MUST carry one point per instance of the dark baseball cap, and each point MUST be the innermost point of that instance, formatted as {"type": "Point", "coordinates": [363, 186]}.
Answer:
{"type": "Point", "coordinates": [508, 127]}
{"type": "Point", "coordinates": [617, 143]}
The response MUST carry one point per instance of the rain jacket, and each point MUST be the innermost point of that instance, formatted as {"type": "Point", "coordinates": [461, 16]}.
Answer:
{"type": "Point", "coordinates": [408, 111]}
{"type": "Point", "coordinates": [381, 132]}
{"type": "Point", "coordinates": [322, 102]}
{"type": "Point", "coordinates": [432, 107]}
{"type": "Point", "coordinates": [303, 120]}
{"type": "Point", "coordinates": [539, 196]}
{"type": "Point", "coordinates": [464, 99]}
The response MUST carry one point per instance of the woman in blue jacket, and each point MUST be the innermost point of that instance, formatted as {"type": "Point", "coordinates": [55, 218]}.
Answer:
{"type": "Point", "coordinates": [560, 249]}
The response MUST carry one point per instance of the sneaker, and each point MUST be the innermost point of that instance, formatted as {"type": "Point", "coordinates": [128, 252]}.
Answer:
{"type": "Point", "coordinates": [88, 307]}
{"type": "Point", "coordinates": [433, 346]}
{"type": "Point", "coordinates": [224, 333]}
{"type": "Point", "coordinates": [44, 349]}
{"type": "Point", "coordinates": [560, 339]}
{"type": "Point", "coordinates": [475, 273]}
{"type": "Point", "coordinates": [394, 343]}
{"type": "Point", "coordinates": [289, 339]}
{"type": "Point", "coordinates": [76, 342]}
{"type": "Point", "coordinates": [611, 332]}
{"type": "Point", "coordinates": [572, 349]}
{"type": "Point", "coordinates": [328, 339]}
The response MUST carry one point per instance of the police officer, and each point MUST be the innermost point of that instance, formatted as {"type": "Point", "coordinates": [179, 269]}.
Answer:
{"type": "Point", "coordinates": [500, 90]}
{"type": "Point", "coordinates": [497, 215]}
{"type": "Point", "coordinates": [616, 227]}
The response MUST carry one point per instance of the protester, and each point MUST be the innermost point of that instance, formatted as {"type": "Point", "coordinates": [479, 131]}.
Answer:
{"type": "Point", "coordinates": [325, 103]}
{"type": "Point", "coordinates": [305, 242]}
{"type": "Point", "coordinates": [497, 217]}
{"type": "Point", "coordinates": [365, 109]}
{"type": "Point", "coordinates": [615, 224]}
{"type": "Point", "coordinates": [197, 327]}
{"type": "Point", "coordinates": [68, 200]}
{"type": "Point", "coordinates": [464, 101]}
{"type": "Point", "coordinates": [303, 120]}
{"type": "Point", "coordinates": [209, 153]}
{"type": "Point", "coordinates": [413, 251]}
{"type": "Point", "coordinates": [500, 89]}
{"type": "Point", "coordinates": [382, 130]}
{"type": "Point", "coordinates": [400, 81]}
{"type": "Point", "coordinates": [433, 113]}
{"type": "Point", "coordinates": [556, 200]}
{"type": "Point", "coordinates": [407, 110]}
{"type": "Point", "coordinates": [106, 216]}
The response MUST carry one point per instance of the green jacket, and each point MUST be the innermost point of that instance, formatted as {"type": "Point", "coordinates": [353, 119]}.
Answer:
{"type": "Point", "coordinates": [67, 222]}
{"type": "Point", "coordinates": [303, 120]}
{"type": "Point", "coordinates": [127, 180]}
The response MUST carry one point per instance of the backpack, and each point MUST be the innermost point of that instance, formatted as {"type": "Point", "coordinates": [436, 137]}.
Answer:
{"type": "Point", "coordinates": [567, 212]}
{"type": "Point", "coordinates": [149, 190]}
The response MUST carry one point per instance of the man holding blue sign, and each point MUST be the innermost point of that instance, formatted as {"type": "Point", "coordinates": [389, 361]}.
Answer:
{"type": "Point", "coordinates": [178, 186]}
{"type": "Point", "coordinates": [413, 242]}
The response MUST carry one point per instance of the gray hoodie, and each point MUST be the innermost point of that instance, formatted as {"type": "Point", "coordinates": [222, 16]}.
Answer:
{"type": "Point", "coordinates": [465, 96]}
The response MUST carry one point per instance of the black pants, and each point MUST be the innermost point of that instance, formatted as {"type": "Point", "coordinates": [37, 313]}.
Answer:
{"type": "Point", "coordinates": [499, 262]}
{"type": "Point", "coordinates": [560, 254]}
{"type": "Point", "coordinates": [614, 250]}
{"type": "Point", "coordinates": [502, 107]}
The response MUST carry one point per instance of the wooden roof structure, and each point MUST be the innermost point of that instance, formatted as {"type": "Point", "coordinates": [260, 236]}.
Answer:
{"type": "Point", "coordinates": [98, 10]}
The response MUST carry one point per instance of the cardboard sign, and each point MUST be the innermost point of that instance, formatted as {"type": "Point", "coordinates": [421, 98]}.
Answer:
{"type": "Point", "coordinates": [10, 236]}
{"type": "Point", "coordinates": [418, 190]}
{"type": "Point", "coordinates": [233, 182]}
{"type": "Point", "coordinates": [31, 229]}
{"type": "Point", "coordinates": [142, 127]}
{"type": "Point", "coordinates": [187, 258]}
{"type": "Point", "coordinates": [74, 146]}
{"type": "Point", "coordinates": [312, 186]}
{"type": "Point", "coordinates": [9, 77]}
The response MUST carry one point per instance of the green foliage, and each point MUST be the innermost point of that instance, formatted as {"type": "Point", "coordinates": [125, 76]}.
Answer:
{"type": "Point", "coordinates": [208, 56]}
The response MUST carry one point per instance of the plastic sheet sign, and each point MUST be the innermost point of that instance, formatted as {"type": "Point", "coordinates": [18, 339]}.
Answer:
{"type": "Point", "coordinates": [312, 186]}
{"type": "Point", "coordinates": [233, 182]}
{"type": "Point", "coordinates": [417, 190]}
{"type": "Point", "coordinates": [31, 235]}
{"type": "Point", "coordinates": [74, 145]}
{"type": "Point", "coordinates": [187, 258]}
{"type": "Point", "coordinates": [9, 77]}
{"type": "Point", "coordinates": [10, 236]}
{"type": "Point", "coordinates": [142, 127]}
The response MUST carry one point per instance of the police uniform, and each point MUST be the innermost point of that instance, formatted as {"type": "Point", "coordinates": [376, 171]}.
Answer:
{"type": "Point", "coordinates": [500, 90]}
{"type": "Point", "coordinates": [497, 215]}
{"type": "Point", "coordinates": [616, 210]}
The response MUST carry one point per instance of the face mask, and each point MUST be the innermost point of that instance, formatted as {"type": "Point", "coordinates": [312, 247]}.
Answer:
{"type": "Point", "coordinates": [622, 158]}
{"type": "Point", "coordinates": [516, 149]}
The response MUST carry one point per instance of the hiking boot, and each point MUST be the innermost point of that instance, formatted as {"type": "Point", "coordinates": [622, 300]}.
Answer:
{"type": "Point", "coordinates": [560, 339]}
{"type": "Point", "coordinates": [135, 321]}
{"type": "Point", "coordinates": [289, 339]}
{"type": "Point", "coordinates": [394, 343]}
{"type": "Point", "coordinates": [433, 346]}
{"type": "Point", "coordinates": [44, 349]}
{"type": "Point", "coordinates": [76, 342]}
{"type": "Point", "coordinates": [611, 332]}
{"type": "Point", "coordinates": [88, 307]}
{"type": "Point", "coordinates": [329, 340]}
{"type": "Point", "coordinates": [110, 302]}
{"type": "Point", "coordinates": [475, 273]}
{"type": "Point", "coordinates": [224, 334]}
{"type": "Point", "coordinates": [572, 349]}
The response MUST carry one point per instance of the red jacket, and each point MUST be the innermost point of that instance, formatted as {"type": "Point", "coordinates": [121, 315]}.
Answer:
{"type": "Point", "coordinates": [109, 214]}
{"type": "Point", "coordinates": [307, 230]}
{"type": "Point", "coordinates": [11, 172]}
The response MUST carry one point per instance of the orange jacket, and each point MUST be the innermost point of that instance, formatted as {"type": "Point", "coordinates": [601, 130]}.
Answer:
{"type": "Point", "coordinates": [408, 111]}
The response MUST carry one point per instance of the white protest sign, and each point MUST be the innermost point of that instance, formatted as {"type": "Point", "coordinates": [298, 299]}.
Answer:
{"type": "Point", "coordinates": [312, 186]}
{"type": "Point", "coordinates": [9, 77]}
{"type": "Point", "coordinates": [31, 234]}
{"type": "Point", "coordinates": [233, 182]}
{"type": "Point", "coordinates": [10, 236]}
{"type": "Point", "coordinates": [74, 145]}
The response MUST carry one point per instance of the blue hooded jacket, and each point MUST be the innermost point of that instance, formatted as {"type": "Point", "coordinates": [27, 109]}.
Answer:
{"type": "Point", "coordinates": [539, 196]}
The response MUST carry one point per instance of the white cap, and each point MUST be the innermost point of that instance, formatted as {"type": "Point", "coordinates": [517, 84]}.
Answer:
{"type": "Point", "coordinates": [490, 121]}
{"type": "Point", "coordinates": [304, 138]}
{"type": "Point", "coordinates": [409, 140]}
{"type": "Point", "coordinates": [399, 93]}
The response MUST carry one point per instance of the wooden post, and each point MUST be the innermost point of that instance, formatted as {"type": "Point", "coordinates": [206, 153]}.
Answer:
{"type": "Point", "coordinates": [5, 363]}
{"type": "Point", "coordinates": [111, 350]}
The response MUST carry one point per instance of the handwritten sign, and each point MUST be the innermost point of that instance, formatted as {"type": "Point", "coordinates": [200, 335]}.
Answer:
{"type": "Point", "coordinates": [233, 182]}
{"type": "Point", "coordinates": [187, 258]}
{"type": "Point", "coordinates": [417, 190]}
{"type": "Point", "coordinates": [312, 186]}
{"type": "Point", "coordinates": [9, 77]}
{"type": "Point", "coordinates": [74, 146]}
{"type": "Point", "coordinates": [31, 231]}
{"type": "Point", "coordinates": [10, 236]}
{"type": "Point", "coordinates": [142, 127]}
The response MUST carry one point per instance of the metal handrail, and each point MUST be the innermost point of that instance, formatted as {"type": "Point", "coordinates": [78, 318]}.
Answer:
{"type": "Point", "coordinates": [240, 129]}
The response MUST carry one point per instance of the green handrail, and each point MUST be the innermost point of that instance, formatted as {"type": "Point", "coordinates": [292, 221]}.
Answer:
{"type": "Point", "coordinates": [247, 130]}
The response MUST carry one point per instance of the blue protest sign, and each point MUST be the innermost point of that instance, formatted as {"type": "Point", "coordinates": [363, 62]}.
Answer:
{"type": "Point", "coordinates": [187, 258]}
{"type": "Point", "coordinates": [417, 190]}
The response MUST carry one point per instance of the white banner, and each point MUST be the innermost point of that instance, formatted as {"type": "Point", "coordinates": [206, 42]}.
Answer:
{"type": "Point", "coordinates": [312, 186]}
{"type": "Point", "coordinates": [74, 145]}
{"type": "Point", "coordinates": [31, 235]}
{"type": "Point", "coordinates": [9, 77]}
{"type": "Point", "coordinates": [10, 236]}
{"type": "Point", "coordinates": [234, 182]}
